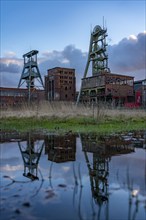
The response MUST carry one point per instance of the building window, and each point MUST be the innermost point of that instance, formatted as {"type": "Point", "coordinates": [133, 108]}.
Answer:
{"type": "Point", "coordinates": [130, 82]}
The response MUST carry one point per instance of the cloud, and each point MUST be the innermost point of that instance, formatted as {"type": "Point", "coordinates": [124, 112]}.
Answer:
{"type": "Point", "coordinates": [9, 168]}
{"type": "Point", "coordinates": [10, 54]}
{"type": "Point", "coordinates": [10, 69]}
{"type": "Point", "coordinates": [127, 57]}
{"type": "Point", "coordinates": [70, 57]}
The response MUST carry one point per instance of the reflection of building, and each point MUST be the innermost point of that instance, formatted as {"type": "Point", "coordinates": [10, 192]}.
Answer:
{"type": "Point", "coordinates": [102, 148]}
{"type": "Point", "coordinates": [9, 136]}
{"type": "Point", "coordinates": [60, 84]}
{"type": "Point", "coordinates": [31, 153]}
{"type": "Point", "coordinates": [109, 145]}
{"type": "Point", "coordinates": [61, 148]}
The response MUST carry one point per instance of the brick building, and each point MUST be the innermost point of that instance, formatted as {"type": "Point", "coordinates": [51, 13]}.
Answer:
{"type": "Point", "coordinates": [11, 97]}
{"type": "Point", "coordinates": [140, 92]}
{"type": "Point", "coordinates": [60, 84]}
{"type": "Point", "coordinates": [107, 87]}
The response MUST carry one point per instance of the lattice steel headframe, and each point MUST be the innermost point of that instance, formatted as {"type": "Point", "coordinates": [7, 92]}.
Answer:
{"type": "Point", "coordinates": [30, 72]}
{"type": "Point", "coordinates": [97, 53]}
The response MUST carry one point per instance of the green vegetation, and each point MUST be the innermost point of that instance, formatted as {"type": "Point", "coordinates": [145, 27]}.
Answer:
{"type": "Point", "coordinates": [64, 117]}
{"type": "Point", "coordinates": [78, 124]}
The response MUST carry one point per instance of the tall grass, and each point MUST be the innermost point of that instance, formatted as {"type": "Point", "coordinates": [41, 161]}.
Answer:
{"type": "Point", "coordinates": [70, 110]}
{"type": "Point", "coordinates": [65, 117]}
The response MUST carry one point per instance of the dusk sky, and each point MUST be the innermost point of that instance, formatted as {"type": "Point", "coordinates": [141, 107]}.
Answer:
{"type": "Point", "coordinates": [60, 31]}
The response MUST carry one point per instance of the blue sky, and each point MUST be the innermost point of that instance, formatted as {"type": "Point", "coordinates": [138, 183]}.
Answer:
{"type": "Point", "coordinates": [52, 26]}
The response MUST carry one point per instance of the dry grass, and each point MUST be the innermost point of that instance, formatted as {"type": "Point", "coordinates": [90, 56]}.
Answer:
{"type": "Point", "coordinates": [67, 110]}
{"type": "Point", "coordinates": [128, 113]}
{"type": "Point", "coordinates": [47, 109]}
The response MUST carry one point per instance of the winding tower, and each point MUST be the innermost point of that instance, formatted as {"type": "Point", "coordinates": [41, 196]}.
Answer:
{"type": "Point", "coordinates": [30, 73]}
{"type": "Point", "coordinates": [97, 54]}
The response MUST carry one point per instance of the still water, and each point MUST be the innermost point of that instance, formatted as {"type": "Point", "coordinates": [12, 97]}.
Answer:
{"type": "Point", "coordinates": [73, 177]}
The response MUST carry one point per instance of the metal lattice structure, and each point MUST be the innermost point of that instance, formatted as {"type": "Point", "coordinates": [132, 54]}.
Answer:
{"type": "Point", "coordinates": [97, 54]}
{"type": "Point", "coordinates": [31, 152]}
{"type": "Point", "coordinates": [30, 72]}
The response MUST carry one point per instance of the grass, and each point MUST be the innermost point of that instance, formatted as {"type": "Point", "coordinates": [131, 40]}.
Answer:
{"type": "Point", "coordinates": [65, 117]}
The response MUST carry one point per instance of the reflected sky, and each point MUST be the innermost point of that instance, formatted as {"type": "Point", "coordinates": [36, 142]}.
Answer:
{"type": "Point", "coordinates": [75, 176]}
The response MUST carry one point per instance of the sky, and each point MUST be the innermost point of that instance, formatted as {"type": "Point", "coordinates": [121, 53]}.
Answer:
{"type": "Point", "coordinates": [60, 31]}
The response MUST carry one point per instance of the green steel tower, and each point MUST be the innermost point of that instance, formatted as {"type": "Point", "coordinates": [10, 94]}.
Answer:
{"type": "Point", "coordinates": [30, 72]}
{"type": "Point", "coordinates": [97, 54]}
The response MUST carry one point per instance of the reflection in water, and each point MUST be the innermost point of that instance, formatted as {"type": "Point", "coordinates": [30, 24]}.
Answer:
{"type": "Point", "coordinates": [102, 149]}
{"type": "Point", "coordinates": [31, 153]}
{"type": "Point", "coordinates": [87, 169]}
{"type": "Point", "coordinates": [60, 148]}
{"type": "Point", "coordinates": [98, 179]}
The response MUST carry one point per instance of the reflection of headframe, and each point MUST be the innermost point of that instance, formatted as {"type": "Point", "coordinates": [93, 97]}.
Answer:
{"type": "Point", "coordinates": [31, 155]}
{"type": "Point", "coordinates": [30, 176]}
{"type": "Point", "coordinates": [98, 177]}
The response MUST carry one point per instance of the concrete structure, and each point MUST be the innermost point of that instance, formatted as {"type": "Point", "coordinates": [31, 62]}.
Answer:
{"type": "Point", "coordinates": [13, 97]}
{"type": "Point", "coordinates": [60, 84]}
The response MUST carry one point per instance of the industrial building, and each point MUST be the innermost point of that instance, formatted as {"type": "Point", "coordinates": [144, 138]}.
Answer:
{"type": "Point", "coordinates": [107, 87]}
{"type": "Point", "coordinates": [140, 92]}
{"type": "Point", "coordinates": [60, 84]}
{"type": "Point", "coordinates": [11, 97]}
{"type": "Point", "coordinates": [103, 85]}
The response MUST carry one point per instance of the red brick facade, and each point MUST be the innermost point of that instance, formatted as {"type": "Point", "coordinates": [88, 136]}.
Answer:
{"type": "Point", "coordinates": [60, 84]}
{"type": "Point", "coordinates": [11, 97]}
